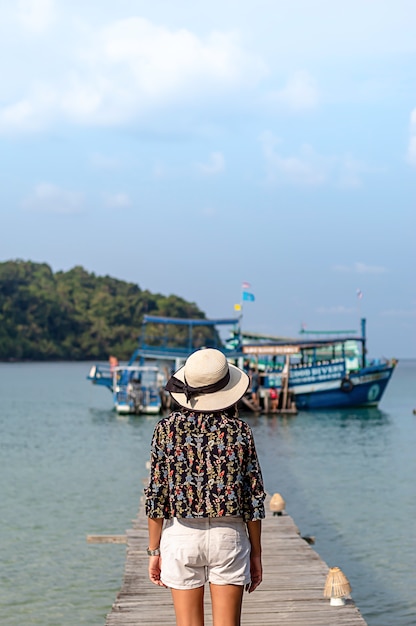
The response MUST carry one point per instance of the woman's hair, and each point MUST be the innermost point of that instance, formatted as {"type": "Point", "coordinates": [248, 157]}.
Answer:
{"type": "Point", "coordinates": [231, 412]}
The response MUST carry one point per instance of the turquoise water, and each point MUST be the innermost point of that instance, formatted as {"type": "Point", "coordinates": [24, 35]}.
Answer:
{"type": "Point", "coordinates": [70, 467]}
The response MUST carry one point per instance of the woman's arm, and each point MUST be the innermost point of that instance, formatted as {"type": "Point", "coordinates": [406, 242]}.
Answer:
{"type": "Point", "coordinates": [253, 486]}
{"type": "Point", "coordinates": [256, 569]}
{"type": "Point", "coordinates": [154, 525]}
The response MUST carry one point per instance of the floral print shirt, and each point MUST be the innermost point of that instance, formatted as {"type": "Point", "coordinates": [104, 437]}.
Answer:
{"type": "Point", "coordinates": [204, 465]}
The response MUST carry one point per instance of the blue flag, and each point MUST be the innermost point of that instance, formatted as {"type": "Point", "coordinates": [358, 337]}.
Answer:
{"type": "Point", "coordinates": [248, 297]}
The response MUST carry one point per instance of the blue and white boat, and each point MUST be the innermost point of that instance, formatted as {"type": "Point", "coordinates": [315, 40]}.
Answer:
{"type": "Point", "coordinates": [319, 373]}
{"type": "Point", "coordinates": [135, 388]}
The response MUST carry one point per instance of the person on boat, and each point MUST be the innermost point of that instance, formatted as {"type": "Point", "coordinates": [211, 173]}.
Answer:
{"type": "Point", "coordinates": [274, 399]}
{"type": "Point", "coordinates": [255, 384]}
{"type": "Point", "coordinates": [205, 496]}
{"type": "Point", "coordinates": [246, 366]}
{"type": "Point", "coordinates": [113, 362]}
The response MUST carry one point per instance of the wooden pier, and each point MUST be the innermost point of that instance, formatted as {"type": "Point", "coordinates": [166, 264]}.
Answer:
{"type": "Point", "coordinates": [291, 592]}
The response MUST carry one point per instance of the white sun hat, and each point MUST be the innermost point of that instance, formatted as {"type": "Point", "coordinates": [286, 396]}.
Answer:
{"type": "Point", "coordinates": [207, 382]}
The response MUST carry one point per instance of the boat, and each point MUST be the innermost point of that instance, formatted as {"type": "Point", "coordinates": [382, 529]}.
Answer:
{"type": "Point", "coordinates": [323, 370]}
{"type": "Point", "coordinates": [135, 388]}
{"type": "Point", "coordinates": [164, 344]}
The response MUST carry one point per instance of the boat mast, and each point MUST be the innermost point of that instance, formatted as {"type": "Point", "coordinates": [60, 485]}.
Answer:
{"type": "Point", "coordinates": [364, 342]}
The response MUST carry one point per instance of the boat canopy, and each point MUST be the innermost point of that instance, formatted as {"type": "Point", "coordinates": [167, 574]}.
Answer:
{"type": "Point", "coordinates": [182, 321]}
{"type": "Point", "coordinates": [174, 343]}
{"type": "Point", "coordinates": [295, 345]}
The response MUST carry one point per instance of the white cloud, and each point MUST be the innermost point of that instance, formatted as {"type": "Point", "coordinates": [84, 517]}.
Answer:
{"type": "Point", "coordinates": [118, 72]}
{"type": "Point", "coordinates": [35, 16]}
{"type": "Point", "coordinates": [117, 201]}
{"type": "Point", "coordinates": [83, 98]}
{"type": "Point", "coordinates": [160, 59]}
{"type": "Point", "coordinates": [349, 171]}
{"type": "Point", "coordinates": [307, 168]}
{"type": "Point", "coordinates": [17, 115]}
{"type": "Point", "coordinates": [400, 313]}
{"type": "Point", "coordinates": [360, 268]}
{"type": "Point", "coordinates": [50, 198]}
{"type": "Point", "coordinates": [319, 31]}
{"type": "Point", "coordinates": [215, 165]}
{"type": "Point", "coordinates": [336, 310]}
{"type": "Point", "coordinates": [133, 64]}
{"type": "Point", "coordinates": [363, 268]}
{"type": "Point", "coordinates": [411, 152]}
{"type": "Point", "coordinates": [28, 114]}
{"type": "Point", "coordinates": [299, 94]}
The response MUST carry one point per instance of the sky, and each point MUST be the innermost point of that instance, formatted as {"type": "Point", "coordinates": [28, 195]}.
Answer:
{"type": "Point", "coordinates": [189, 147]}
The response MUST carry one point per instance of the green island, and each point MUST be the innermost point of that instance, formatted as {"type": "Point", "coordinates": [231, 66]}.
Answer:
{"type": "Point", "coordinates": [75, 315]}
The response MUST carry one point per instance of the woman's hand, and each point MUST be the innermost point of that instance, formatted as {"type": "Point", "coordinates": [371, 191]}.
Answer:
{"type": "Point", "coordinates": [155, 525]}
{"type": "Point", "coordinates": [154, 570]}
{"type": "Point", "coordinates": [256, 569]}
{"type": "Point", "coordinates": [256, 572]}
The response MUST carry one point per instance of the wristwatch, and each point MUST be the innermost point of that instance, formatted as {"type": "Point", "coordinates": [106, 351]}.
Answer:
{"type": "Point", "coordinates": [155, 552]}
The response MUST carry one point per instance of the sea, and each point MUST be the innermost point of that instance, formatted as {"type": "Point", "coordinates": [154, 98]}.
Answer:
{"type": "Point", "coordinates": [71, 467]}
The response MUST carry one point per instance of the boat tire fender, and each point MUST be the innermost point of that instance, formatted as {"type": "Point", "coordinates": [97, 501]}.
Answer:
{"type": "Point", "coordinates": [346, 385]}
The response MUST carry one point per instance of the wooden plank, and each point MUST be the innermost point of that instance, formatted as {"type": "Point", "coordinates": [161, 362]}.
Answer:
{"type": "Point", "coordinates": [291, 591]}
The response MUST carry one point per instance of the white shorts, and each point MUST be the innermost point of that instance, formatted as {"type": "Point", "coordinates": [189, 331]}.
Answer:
{"type": "Point", "coordinates": [197, 550]}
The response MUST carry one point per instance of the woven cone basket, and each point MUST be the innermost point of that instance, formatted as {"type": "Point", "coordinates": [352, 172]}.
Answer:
{"type": "Point", "coordinates": [337, 584]}
{"type": "Point", "coordinates": [277, 503]}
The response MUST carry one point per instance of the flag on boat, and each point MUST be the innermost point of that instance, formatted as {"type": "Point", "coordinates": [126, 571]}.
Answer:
{"type": "Point", "coordinates": [245, 285]}
{"type": "Point", "coordinates": [359, 294]}
{"type": "Point", "coordinates": [237, 307]}
{"type": "Point", "coordinates": [248, 297]}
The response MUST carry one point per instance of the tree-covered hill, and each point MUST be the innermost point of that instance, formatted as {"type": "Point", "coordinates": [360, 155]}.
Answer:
{"type": "Point", "coordinates": [75, 314]}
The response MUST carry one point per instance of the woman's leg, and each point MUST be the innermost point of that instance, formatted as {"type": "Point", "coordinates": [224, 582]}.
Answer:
{"type": "Point", "coordinates": [189, 606]}
{"type": "Point", "coordinates": [226, 604]}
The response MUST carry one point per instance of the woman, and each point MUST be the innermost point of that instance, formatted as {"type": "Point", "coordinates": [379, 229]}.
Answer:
{"type": "Point", "coordinates": [205, 498]}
